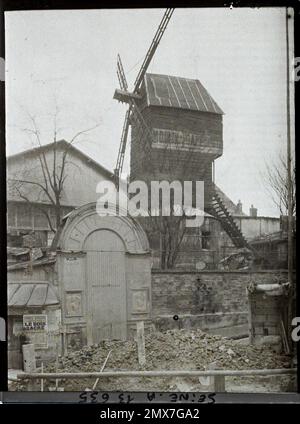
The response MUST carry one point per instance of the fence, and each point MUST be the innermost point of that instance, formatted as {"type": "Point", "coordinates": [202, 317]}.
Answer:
{"type": "Point", "coordinates": [218, 375]}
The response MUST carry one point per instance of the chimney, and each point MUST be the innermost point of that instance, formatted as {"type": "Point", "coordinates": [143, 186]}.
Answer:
{"type": "Point", "coordinates": [239, 208]}
{"type": "Point", "coordinates": [253, 212]}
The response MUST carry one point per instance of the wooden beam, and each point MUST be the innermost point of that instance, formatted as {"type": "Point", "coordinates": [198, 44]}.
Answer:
{"type": "Point", "coordinates": [175, 373]}
{"type": "Point", "coordinates": [125, 96]}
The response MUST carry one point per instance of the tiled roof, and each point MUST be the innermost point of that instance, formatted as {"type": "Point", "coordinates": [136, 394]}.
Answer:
{"type": "Point", "coordinates": [178, 92]}
{"type": "Point", "coordinates": [31, 294]}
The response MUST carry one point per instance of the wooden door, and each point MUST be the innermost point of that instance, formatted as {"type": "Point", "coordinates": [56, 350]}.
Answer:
{"type": "Point", "coordinates": [106, 286]}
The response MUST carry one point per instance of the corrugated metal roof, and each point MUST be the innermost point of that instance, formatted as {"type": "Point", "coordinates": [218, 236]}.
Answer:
{"type": "Point", "coordinates": [178, 92]}
{"type": "Point", "coordinates": [30, 294]}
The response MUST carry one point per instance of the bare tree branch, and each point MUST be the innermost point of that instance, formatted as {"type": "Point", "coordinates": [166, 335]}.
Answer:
{"type": "Point", "coordinates": [275, 177]}
{"type": "Point", "coordinates": [51, 168]}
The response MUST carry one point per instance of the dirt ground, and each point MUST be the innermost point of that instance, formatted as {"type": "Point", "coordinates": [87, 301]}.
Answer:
{"type": "Point", "coordinates": [173, 350]}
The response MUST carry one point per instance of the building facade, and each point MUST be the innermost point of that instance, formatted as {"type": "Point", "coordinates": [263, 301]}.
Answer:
{"type": "Point", "coordinates": [29, 209]}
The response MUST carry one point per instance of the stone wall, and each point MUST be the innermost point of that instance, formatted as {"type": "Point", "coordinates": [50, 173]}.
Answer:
{"type": "Point", "coordinates": [259, 226]}
{"type": "Point", "coordinates": [214, 301]}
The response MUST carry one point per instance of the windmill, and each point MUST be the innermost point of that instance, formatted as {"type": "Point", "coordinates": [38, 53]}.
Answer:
{"type": "Point", "coordinates": [164, 110]}
{"type": "Point", "coordinates": [123, 95]}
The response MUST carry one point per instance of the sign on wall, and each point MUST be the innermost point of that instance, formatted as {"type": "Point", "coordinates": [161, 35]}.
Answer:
{"type": "Point", "coordinates": [35, 327]}
{"type": "Point", "coordinates": [35, 322]}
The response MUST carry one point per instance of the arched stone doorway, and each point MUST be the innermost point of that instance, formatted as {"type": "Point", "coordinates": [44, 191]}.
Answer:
{"type": "Point", "coordinates": [104, 271]}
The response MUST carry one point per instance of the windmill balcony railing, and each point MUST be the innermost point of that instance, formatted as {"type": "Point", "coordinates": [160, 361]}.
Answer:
{"type": "Point", "coordinates": [180, 140]}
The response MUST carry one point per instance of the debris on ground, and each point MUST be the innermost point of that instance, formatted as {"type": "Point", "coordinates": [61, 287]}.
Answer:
{"type": "Point", "coordinates": [243, 259]}
{"type": "Point", "coordinates": [169, 350]}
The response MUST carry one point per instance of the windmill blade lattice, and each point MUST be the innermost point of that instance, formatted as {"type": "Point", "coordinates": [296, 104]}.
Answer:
{"type": "Point", "coordinates": [133, 114]}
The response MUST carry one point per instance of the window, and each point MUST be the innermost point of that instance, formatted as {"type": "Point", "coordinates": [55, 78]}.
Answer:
{"type": "Point", "coordinates": [50, 237]}
{"type": "Point", "coordinates": [206, 240]}
{"type": "Point", "coordinates": [24, 216]}
{"type": "Point", "coordinates": [40, 219]}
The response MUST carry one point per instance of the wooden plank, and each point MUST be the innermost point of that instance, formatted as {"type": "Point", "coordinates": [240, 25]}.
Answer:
{"type": "Point", "coordinates": [161, 373]}
{"type": "Point", "coordinates": [219, 383]}
{"type": "Point", "coordinates": [42, 380]}
{"type": "Point", "coordinates": [102, 368]}
{"type": "Point", "coordinates": [140, 338]}
{"type": "Point", "coordinates": [29, 359]}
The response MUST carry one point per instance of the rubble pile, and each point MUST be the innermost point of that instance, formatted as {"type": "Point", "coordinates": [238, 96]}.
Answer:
{"type": "Point", "coordinates": [169, 350]}
{"type": "Point", "coordinates": [173, 349]}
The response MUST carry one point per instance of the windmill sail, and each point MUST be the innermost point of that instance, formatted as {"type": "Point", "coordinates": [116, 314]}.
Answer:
{"type": "Point", "coordinates": [123, 95]}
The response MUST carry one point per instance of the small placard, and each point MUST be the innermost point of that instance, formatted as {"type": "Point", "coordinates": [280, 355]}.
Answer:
{"type": "Point", "coordinates": [35, 322]}
{"type": "Point", "coordinates": [73, 304]}
{"type": "Point", "coordinates": [35, 327]}
{"type": "Point", "coordinates": [140, 302]}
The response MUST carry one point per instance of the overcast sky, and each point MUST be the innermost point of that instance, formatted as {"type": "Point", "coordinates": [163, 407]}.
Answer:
{"type": "Point", "coordinates": [68, 59]}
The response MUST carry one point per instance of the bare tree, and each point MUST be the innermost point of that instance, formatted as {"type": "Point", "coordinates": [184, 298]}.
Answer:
{"type": "Point", "coordinates": [42, 182]}
{"type": "Point", "coordinates": [277, 183]}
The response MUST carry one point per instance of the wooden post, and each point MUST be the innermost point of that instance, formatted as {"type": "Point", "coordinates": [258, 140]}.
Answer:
{"type": "Point", "coordinates": [63, 331]}
{"type": "Point", "coordinates": [56, 367]}
{"type": "Point", "coordinates": [217, 381]}
{"type": "Point", "coordinates": [29, 364]}
{"type": "Point", "coordinates": [250, 318]}
{"type": "Point", "coordinates": [42, 380]}
{"type": "Point", "coordinates": [29, 361]}
{"type": "Point", "coordinates": [140, 338]}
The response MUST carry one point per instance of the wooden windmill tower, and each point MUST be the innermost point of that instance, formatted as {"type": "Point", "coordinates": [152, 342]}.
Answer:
{"type": "Point", "coordinates": [176, 131]}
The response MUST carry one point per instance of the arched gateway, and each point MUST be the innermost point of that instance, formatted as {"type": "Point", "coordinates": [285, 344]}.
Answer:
{"type": "Point", "coordinates": [105, 276]}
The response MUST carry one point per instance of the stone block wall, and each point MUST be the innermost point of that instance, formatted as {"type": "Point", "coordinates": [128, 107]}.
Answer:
{"type": "Point", "coordinates": [211, 300]}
